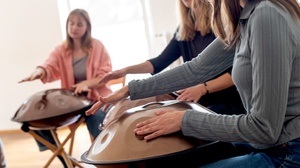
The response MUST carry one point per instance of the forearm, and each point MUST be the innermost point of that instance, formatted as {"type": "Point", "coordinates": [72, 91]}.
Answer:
{"type": "Point", "coordinates": [93, 83]}
{"type": "Point", "coordinates": [145, 67]}
{"type": "Point", "coordinates": [222, 82]}
{"type": "Point", "coordinates": [210, 63]}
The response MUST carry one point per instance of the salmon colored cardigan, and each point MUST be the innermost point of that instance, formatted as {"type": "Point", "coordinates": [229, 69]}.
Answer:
{"type": "Point", "coordinates": [58, 66]}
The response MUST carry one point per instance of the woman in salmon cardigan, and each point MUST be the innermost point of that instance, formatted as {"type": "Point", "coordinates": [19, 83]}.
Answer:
{"type": "Point", "coordinates": [79, 63]}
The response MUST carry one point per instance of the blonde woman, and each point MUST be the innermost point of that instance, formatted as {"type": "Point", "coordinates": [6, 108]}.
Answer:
{"type": "Point", "coordinates": [193, 36]}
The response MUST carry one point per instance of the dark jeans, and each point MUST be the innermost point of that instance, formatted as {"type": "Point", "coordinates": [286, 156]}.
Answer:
{"type": "Point", "coordinates": [228, 109]}
{"type": "Point", "coordinates": [285, 155]}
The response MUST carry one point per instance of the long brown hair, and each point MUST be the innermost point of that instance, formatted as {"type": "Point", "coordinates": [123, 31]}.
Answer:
{"type": "Point", "coordinates": [227, 13]}
{"type": "Point", "coordinates": [86, 39]}
{"type": "Point", "coordinates": [198, 18]}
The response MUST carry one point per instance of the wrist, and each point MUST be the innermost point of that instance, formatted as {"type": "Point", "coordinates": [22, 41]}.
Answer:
{"type": "Point", "coordinates": [205, 86]}
{"type": "Point", "coordinates": [41, 72]}
{"type": "Point", "coordinates": [90, 85]}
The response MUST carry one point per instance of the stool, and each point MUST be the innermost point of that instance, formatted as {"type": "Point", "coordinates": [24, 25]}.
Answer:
{"type": "Point", "coordinates": [50, 110]}
{"type": "Point", "coordinates": [58, 148]}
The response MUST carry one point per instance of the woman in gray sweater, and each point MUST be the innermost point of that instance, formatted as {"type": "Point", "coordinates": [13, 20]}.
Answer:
{"type": "Point", "coordinates": [262, 41]}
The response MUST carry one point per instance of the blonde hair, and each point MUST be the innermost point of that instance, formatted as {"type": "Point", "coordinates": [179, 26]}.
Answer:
{"type": "Point", "coordinates": [230, 10]}
{"type": "Point", "coordinates": [196, 18]}
{"type": "Point", "coordinates": [86, 39]}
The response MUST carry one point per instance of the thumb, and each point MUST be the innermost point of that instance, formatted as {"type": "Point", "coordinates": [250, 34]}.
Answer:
{"type": "Point", "coordinates": [180, 91]}
{"type": "Point", "coordinates": [102, 99]}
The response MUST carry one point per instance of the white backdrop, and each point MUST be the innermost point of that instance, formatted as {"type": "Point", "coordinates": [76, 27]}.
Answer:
{"type": "Point", "coordinates": [29, 31]}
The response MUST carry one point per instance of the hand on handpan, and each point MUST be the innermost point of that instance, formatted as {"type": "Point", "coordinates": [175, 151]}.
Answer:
{"type": "Point", "coordinates": [81, 87]}
{"type": "Point", "coordinates": [192, 94]}
{"type": "Point", "coordinates": [165, 122]}
{"type": "Point", "coordinates": [106, 101]}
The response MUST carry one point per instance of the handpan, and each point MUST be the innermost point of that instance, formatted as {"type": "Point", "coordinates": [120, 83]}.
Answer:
{"type": "Point", "coordinates": [118, 144]}
{"type": "Point", "coordinates": [126, 104]}
{"type": "Point", "coordinates": [53, 107]}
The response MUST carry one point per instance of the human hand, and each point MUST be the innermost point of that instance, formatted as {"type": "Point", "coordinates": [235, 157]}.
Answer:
{"type": "Point", "coordinates": [112, 75]}
{"type": "Point", "coordinates": [165, 122]}
{"type": "Point", "coordinates": [110, 99]}
{"type": "Point", "coordinates": [192, 94]}
{"type": "Point", "coordinates": [37, 74]}
{"type": "Point", "coordinates": [81, 87]}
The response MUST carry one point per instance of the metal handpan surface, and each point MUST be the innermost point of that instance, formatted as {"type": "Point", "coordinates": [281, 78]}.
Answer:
{"type": "Point", "coordinates": [51, 107]}
{"type": "Point", "coordinates": [118, 144]}
{"type": "Point", "coordinates": [126, 104]}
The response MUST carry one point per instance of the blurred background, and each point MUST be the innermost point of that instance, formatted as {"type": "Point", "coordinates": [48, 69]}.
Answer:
{"type": "Point", "coordinates": [131, 30]}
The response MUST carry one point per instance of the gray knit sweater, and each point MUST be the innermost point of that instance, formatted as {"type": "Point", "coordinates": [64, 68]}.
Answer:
{"type": "Point", "coordinates": [266, 71]}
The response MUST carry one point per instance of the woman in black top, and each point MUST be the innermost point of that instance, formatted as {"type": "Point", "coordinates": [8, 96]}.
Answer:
{"type": "Point", "coordinates": [192, 37]}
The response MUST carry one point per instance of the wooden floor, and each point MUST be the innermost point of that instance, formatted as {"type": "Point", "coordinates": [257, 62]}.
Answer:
{"type": "Point", "coordinates": [21, 150]}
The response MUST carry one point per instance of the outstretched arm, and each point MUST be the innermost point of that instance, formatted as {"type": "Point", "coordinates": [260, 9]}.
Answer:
{"type": "Point", "coordinates": [214, 60]}
{"type": "Point", "coordinates": [39, 73]}
{"type": "Point", "coordinates": [145, 67]}
{"type": "Point", "coordinates": [153, 66]}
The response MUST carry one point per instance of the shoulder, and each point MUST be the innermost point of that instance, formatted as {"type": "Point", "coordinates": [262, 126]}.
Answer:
{"type": "Point", "coordinates": [98, 48]}
{"type": "Point", "coordinates": [268, 15]}
{"type": "Point", "coordinates": [60, 48]}
{"type": "Point", "coordinates": [267, 10]}
{"type": "Point", "coordinates": [96, 43]}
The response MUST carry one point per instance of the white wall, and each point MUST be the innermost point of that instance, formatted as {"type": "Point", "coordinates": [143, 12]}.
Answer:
{"type": "Point", "coordinates": [29, 31]}
{"type": "Point", "coordinates": [163, 23]}
{"type": "Point", "coordinates": [164, 20]}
